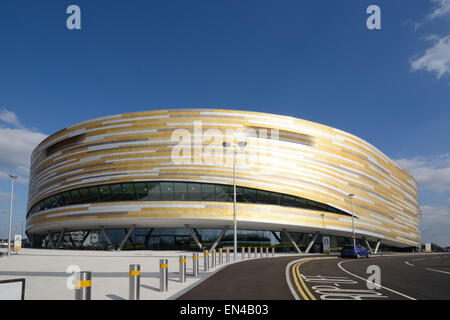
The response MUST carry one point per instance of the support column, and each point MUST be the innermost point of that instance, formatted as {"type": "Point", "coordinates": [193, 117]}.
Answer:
{"type": "Point", "coordinates": [106, 236]}
{"type": "Point", "coordinates": [125, 239]}
{"type": "Point", "coordinates": [377, 246]}
{"type": "Point", "coordinates": [84, 238]}
{"type": "Point", "coordinates": [199, 236]}
{"type": "Point", "coordinates": [276, 236]}
{"type": "Point", "coordinates": [312, 242]}
{"type": "Point", "coordinates": [61, 235]}
{"type": "Point", "coordinates": [193, 235]}
{"type": "Point", "coordinates": [50, 239]}
{"type": "Point", "coordinates": [368, 245]}
{"type": "Point", "coordinates": [147, 237]}
{"type": "Point", "coordinates": [71, 240]}
{"type": "Point", "coordinates": [219, 238]}
{"type": "Point", "coordinates": [292, 241]}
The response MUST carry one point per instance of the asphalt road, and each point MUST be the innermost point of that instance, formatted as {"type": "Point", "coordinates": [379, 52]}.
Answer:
{"type": "Point", "coordinates": [405, 277]}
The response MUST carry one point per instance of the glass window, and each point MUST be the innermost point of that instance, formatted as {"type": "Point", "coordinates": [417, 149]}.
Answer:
{"type": "Point", "coordinates": [34, 209]}
{"type": "Point", "coordinates": [208, 192]}
{"type": "Point", "coordinates": [47, 204]}
{"type": "Point", "coordinates": [128, 191]}
{"type": "Point", "coordinates": [300, 203]}
{"type": "Point", "coordinates": [94, 194]}
{"type": "Point", "coordinates": [167, 191]}
{"type": "Point", "coordinates": [247, 194]}
{"type": "Point", "coordinates": [116, 192]}
{"type": "Point", "coordinates": [288, 201]}
{"type": "Point", "coordinates": [66, 198]}
{"type": "Point", "coordinates": [194, 191]}
{"type": "Point", "coordinates": [154, 191]}
{"type": "Point", "coordinates": [274, 198]}
{"type": "Point", "coordinates": [319, 206]}
{"type": "Point", "coordinates": [311, 205]}
{"type": "Point", "coordinates": [331, 209]}
{"type": "Point", "coordinates": [54, 202]}
{"type": "Point", "coordinates": [180, 191]}
{"type": "Point", "coordinates": [240, 194]}
{"type": "Point", "coordinates": [230, 193]}
{"type": "Point", "coordinates": [75, 195]}
{"type": "Point", "coordinates": [60, 200]}
{"type": "Point", "coordinates": [84, 195]}
{"type": "Point", "coordinates": [262, 196]}
{"type": "Point", "coordinates": [141, 190]}
{"type": "Point", "coordinates": [224, 193]}
{"type": "Point", "coordinates": [105, 193]}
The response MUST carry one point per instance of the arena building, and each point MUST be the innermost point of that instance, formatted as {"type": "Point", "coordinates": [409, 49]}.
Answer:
{"type": "Point", "coordinates": [164, 180]}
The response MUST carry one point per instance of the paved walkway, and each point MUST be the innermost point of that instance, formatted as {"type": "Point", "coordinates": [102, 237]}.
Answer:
{"type": "Point", "coordinates": [46, 274]}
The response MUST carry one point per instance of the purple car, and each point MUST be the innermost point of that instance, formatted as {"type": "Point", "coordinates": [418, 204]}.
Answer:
{"type": "Point", "coordinates": [354, 252]}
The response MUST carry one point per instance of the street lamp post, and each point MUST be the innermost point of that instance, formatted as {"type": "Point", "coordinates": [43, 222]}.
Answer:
{"type": "Point", "coordinates": [351, 195]}
{"type": "Point", "coordinates": [242, 145]}
{"type": "Point", "coordinates": [10, 212]}
{"type": "Point", "coordinates": [434, 241]}
{"type": "Point", "coordinates": [419, 216]}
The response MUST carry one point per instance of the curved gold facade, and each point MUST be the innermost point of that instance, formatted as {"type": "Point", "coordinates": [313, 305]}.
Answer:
{"type": "Point", "coordinates": [283, 154]}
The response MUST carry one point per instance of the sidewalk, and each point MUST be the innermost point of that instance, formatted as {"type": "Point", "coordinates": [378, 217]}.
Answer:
{"type": "Point", "coordinates": [46, 276]}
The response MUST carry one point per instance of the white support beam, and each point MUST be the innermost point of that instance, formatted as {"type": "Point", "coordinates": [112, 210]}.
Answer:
{"type": "Point", "coordinates": [147, 237]}
{"type": "Point", "coordinates": [194, 236]}
{"type": "Point", "coordinates": [71, 240]}
{"type": "Point", "coordinates": [276, 236]}
{"type": "Point", "coordinates": [377, 246]}
{"type": "Point", "coordinates": [61, 235]}
{"type": "Point", "coordinates": [50, 239]}
{"type": "Point", "coordinates": [312, 242]}
{"type": "Point", "coordinates": [368, 245]}
{"type": "Point", "coordinates": [219, 238]}
{"type": "Point", "coordinates": [106, 236]}
{"type": "Point", "coordinates": [125, 238]}
{"type": "Point", "coordinates": [292, 241]}
{"type": "Point", "coordinates": [85, 237]}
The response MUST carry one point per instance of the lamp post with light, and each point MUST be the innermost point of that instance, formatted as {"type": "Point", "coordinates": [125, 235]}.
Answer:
{"type": "Point", "coordinates": [242, 145]}
{"type": "Point", "coordinates": [419, 216]}
{"type": "Point", "coordinates": [10, 212]}
{"type": "Point", "coordinates": [434, 241]}
{"type": "Point", "coordinates": [351, 195]}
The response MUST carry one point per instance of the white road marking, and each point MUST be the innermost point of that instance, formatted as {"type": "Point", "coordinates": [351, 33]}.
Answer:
{"type": "Point", "coordinates": [329, 288]}
{"type": "Point", "coordinates": [288, 268]}
{"type": "Point", "coordinates": [438, 270]}
{"type": "Point", "coordinates": [409, 264]}
{"type": "Point", "coordinates": [335, 293]}
{"type": "Point", "coordinates": [396, 292]}
{"type": "Point", "coordinates": [418, 259]}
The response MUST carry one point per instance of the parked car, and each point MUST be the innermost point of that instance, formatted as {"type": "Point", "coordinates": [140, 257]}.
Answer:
{"type": "Point", "coordinates": [355, 251]}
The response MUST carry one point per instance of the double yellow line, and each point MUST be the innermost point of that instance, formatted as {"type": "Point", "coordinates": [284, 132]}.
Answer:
{"type": "Point", "coordinates": [300, 283]}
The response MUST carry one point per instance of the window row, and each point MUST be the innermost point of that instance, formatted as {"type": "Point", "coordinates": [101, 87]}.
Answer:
{"type": "Point", "coordinates": [175, 191]}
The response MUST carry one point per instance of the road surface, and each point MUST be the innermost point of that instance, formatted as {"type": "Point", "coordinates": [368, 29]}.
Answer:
{"type": "Point", "coordinates": [396, 277]}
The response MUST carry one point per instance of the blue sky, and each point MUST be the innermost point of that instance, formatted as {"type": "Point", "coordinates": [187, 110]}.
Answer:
{"type": "Point", "coordinates": [314, 60]}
